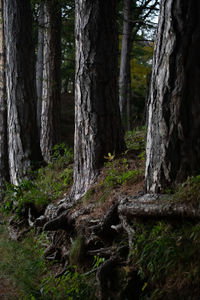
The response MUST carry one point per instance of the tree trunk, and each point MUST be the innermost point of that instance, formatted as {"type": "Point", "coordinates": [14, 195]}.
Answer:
{"type": "Point", "coordinates": [3, 117]}
{"type": "Point", "coordinates": [173, 140]}
{"type": "Point", "coordinates": [97, 117]}
{"type": "Point", "coordinates": [23, 141]}
{"type": "Point", "coordinates": [125, 72]}
{"type": "Point", "coordinates": [50, 116]}
{"type": "Point", "coordinates": [39, 64]}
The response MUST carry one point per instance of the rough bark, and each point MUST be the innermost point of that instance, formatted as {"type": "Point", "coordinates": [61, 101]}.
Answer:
{"type": "Point", "coordinates": [156, 206]}
{"type": "Point", "coordinates": [23, 141]}
{"type": "Point", "coordinates": [173, 141]}
{"type": "Point", "coordinates": [3, 117]}
{"type": "Point", "coordinates": [39, 63]}
{"type": "Point", "coordinates": [125, 72]}
{"type": "Point", "coordinates": [50, 115]}
{"type": "Point", "coordinates": [97, 117]}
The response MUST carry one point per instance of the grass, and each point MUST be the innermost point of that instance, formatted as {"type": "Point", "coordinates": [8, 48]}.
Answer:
{"type": "Point", "coordinates": [167, 258]}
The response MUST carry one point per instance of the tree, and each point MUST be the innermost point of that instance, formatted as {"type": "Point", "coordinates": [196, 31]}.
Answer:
{"type": "Point", "coordinates": [136, 15]}
{"type": "Point", "coordinates": [173, 141]}
{"type": "Point", "coordinates": [3, 112]}
{"type": "Point", "coordinates": [125, 74]}
{"type": "Point", "coordinates": [40, 63]}
{"type": "Point", "coordinates": [23, 140]}
{"type": "Point", "coordinates": [97, 117]}
{"type": "Point", "coordinates": [50, 115]}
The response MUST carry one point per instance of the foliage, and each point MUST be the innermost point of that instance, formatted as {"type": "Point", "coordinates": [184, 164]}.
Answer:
{"type": "Point", "coordinates": [136, 140]}
{"type": "Point", "coordinates": [88, 195]}
{"type": "Point", "coordinates": [189, 191]}
{"type": "Point", "coordinates": [22, 264]}
{"type": "Point", "coordinates": [167, 258]}
{"type": "Point", "coordinates": [50, 183]}
{"type": "Point", "coordinates": [71, 286]}
{"type": "Point", "coordinates": [114, 177]}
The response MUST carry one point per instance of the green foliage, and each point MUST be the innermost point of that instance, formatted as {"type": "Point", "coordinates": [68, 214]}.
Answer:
{"type": "Point", "coordinates": [115, 178]}
{"type": "Point", "coordinates": [88, 195]}
{"type": "Point", "coordinates": [98, 261]}
{"type": "Point", "coordinates": [61, 156]}
{"type": "Point", "coordinates": [71, 286]}
{"type": "Point", "coordinates": [189, 191]}
{"type": "Point", "coordinates": [136, 140]}
{"type": "Point", "coordinates": [49, 184]}
{"type": "Point", "coordinates": [21, 263]}
{"type": "Point", "coordinates": [167, 257]}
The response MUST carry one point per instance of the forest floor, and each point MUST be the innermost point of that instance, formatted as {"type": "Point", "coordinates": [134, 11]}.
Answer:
{"type": "Point", "coordinates": [82, 247]}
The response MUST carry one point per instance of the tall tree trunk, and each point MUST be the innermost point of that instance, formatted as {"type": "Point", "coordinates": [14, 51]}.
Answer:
{"type": "Point", "coordinates": [23, 141]}
{"type": "Point", "coordinates": [39, 63]}
{"type": "Point", "coordinates": [173, 140]}
{"type": "Point", "coordinates": [50, 116]}
{"type": "Point", "coordinates": [97, 117]}
{"type": "Point", "coordinates": [125, 72]}
{"type": "Point", "coordinates": [3, 117]}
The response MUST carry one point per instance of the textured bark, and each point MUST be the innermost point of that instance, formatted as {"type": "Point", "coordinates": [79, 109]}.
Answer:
{"type": "Point", "coordinates": [173, 140]}
{"type": "Point", "coordinates": [23, 142]}
{"type": "Point", "coordinates": [156, 206]}
{"type": "Point", "coordinates": [50, 116]}
{"type": "Point", "coordinates": [3, 119]}
{"type": "Point", "coordinates": [125, 72]}
{"type": "Point", "coordinates": [40, 64]}
{"type": "Point", "coordinates": [97, 117]}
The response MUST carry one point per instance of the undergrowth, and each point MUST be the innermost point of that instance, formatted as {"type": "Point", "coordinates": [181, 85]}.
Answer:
{"type": "Point", "coordinates": [49, 183]}
{"type": "Point", "coordinates": [22, 263]}
{"type": "Point", "coordinates": [167, 259]}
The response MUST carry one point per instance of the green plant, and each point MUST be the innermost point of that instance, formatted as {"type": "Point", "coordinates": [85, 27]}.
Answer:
{"type": "Point", "coordinates": [167, 257]}
{"type": "Point", "coordinates": [71, 286]}
{"type": "Point", "coordinates": [61, 155]}
{"type": "Point", "coordinates": [189, 191]}
{"type": "Point", "coordinates": [115, 177]}
{"type": "Point", "coordinates": [136, 140]}
{"type": "Point", "coordinates": [22, 265]}
{"type": "Point", "coordinates": [98, 261]}
{"type": "Point", "coordinates": [88, 195]}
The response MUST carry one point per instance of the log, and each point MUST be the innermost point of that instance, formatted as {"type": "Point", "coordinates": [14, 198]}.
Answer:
{"type": "Point", "coordinates": [156, 206]}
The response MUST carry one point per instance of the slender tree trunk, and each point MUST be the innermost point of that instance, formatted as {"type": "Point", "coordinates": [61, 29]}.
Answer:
{"type": "Point", "coordinates": [39, 64]}
{"type": "Point", "coordinates": [23, 141]}
{"type": "Point", "coordinates": [50, 116]}
{"type": "Point", "coordinates": [97, 117]}
{"type": "Point", "coordinates": [173, 140]}
{"type": "Point", "coordinates": [3, 117]}
{"type": "Point", "coordinates": [125, 72]}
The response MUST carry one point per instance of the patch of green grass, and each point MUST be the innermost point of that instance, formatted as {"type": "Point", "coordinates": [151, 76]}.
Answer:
{"type": "Point", "coordinates": [71, 286]}
{"type": "Point", "coordinates": [22, 264]}
{"type": "Point", "coordinates": [167, 258]}
{"type": "Point", "coordinates": [189, 191]}
{"type": "Point", "coordinates": [88, 195]}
